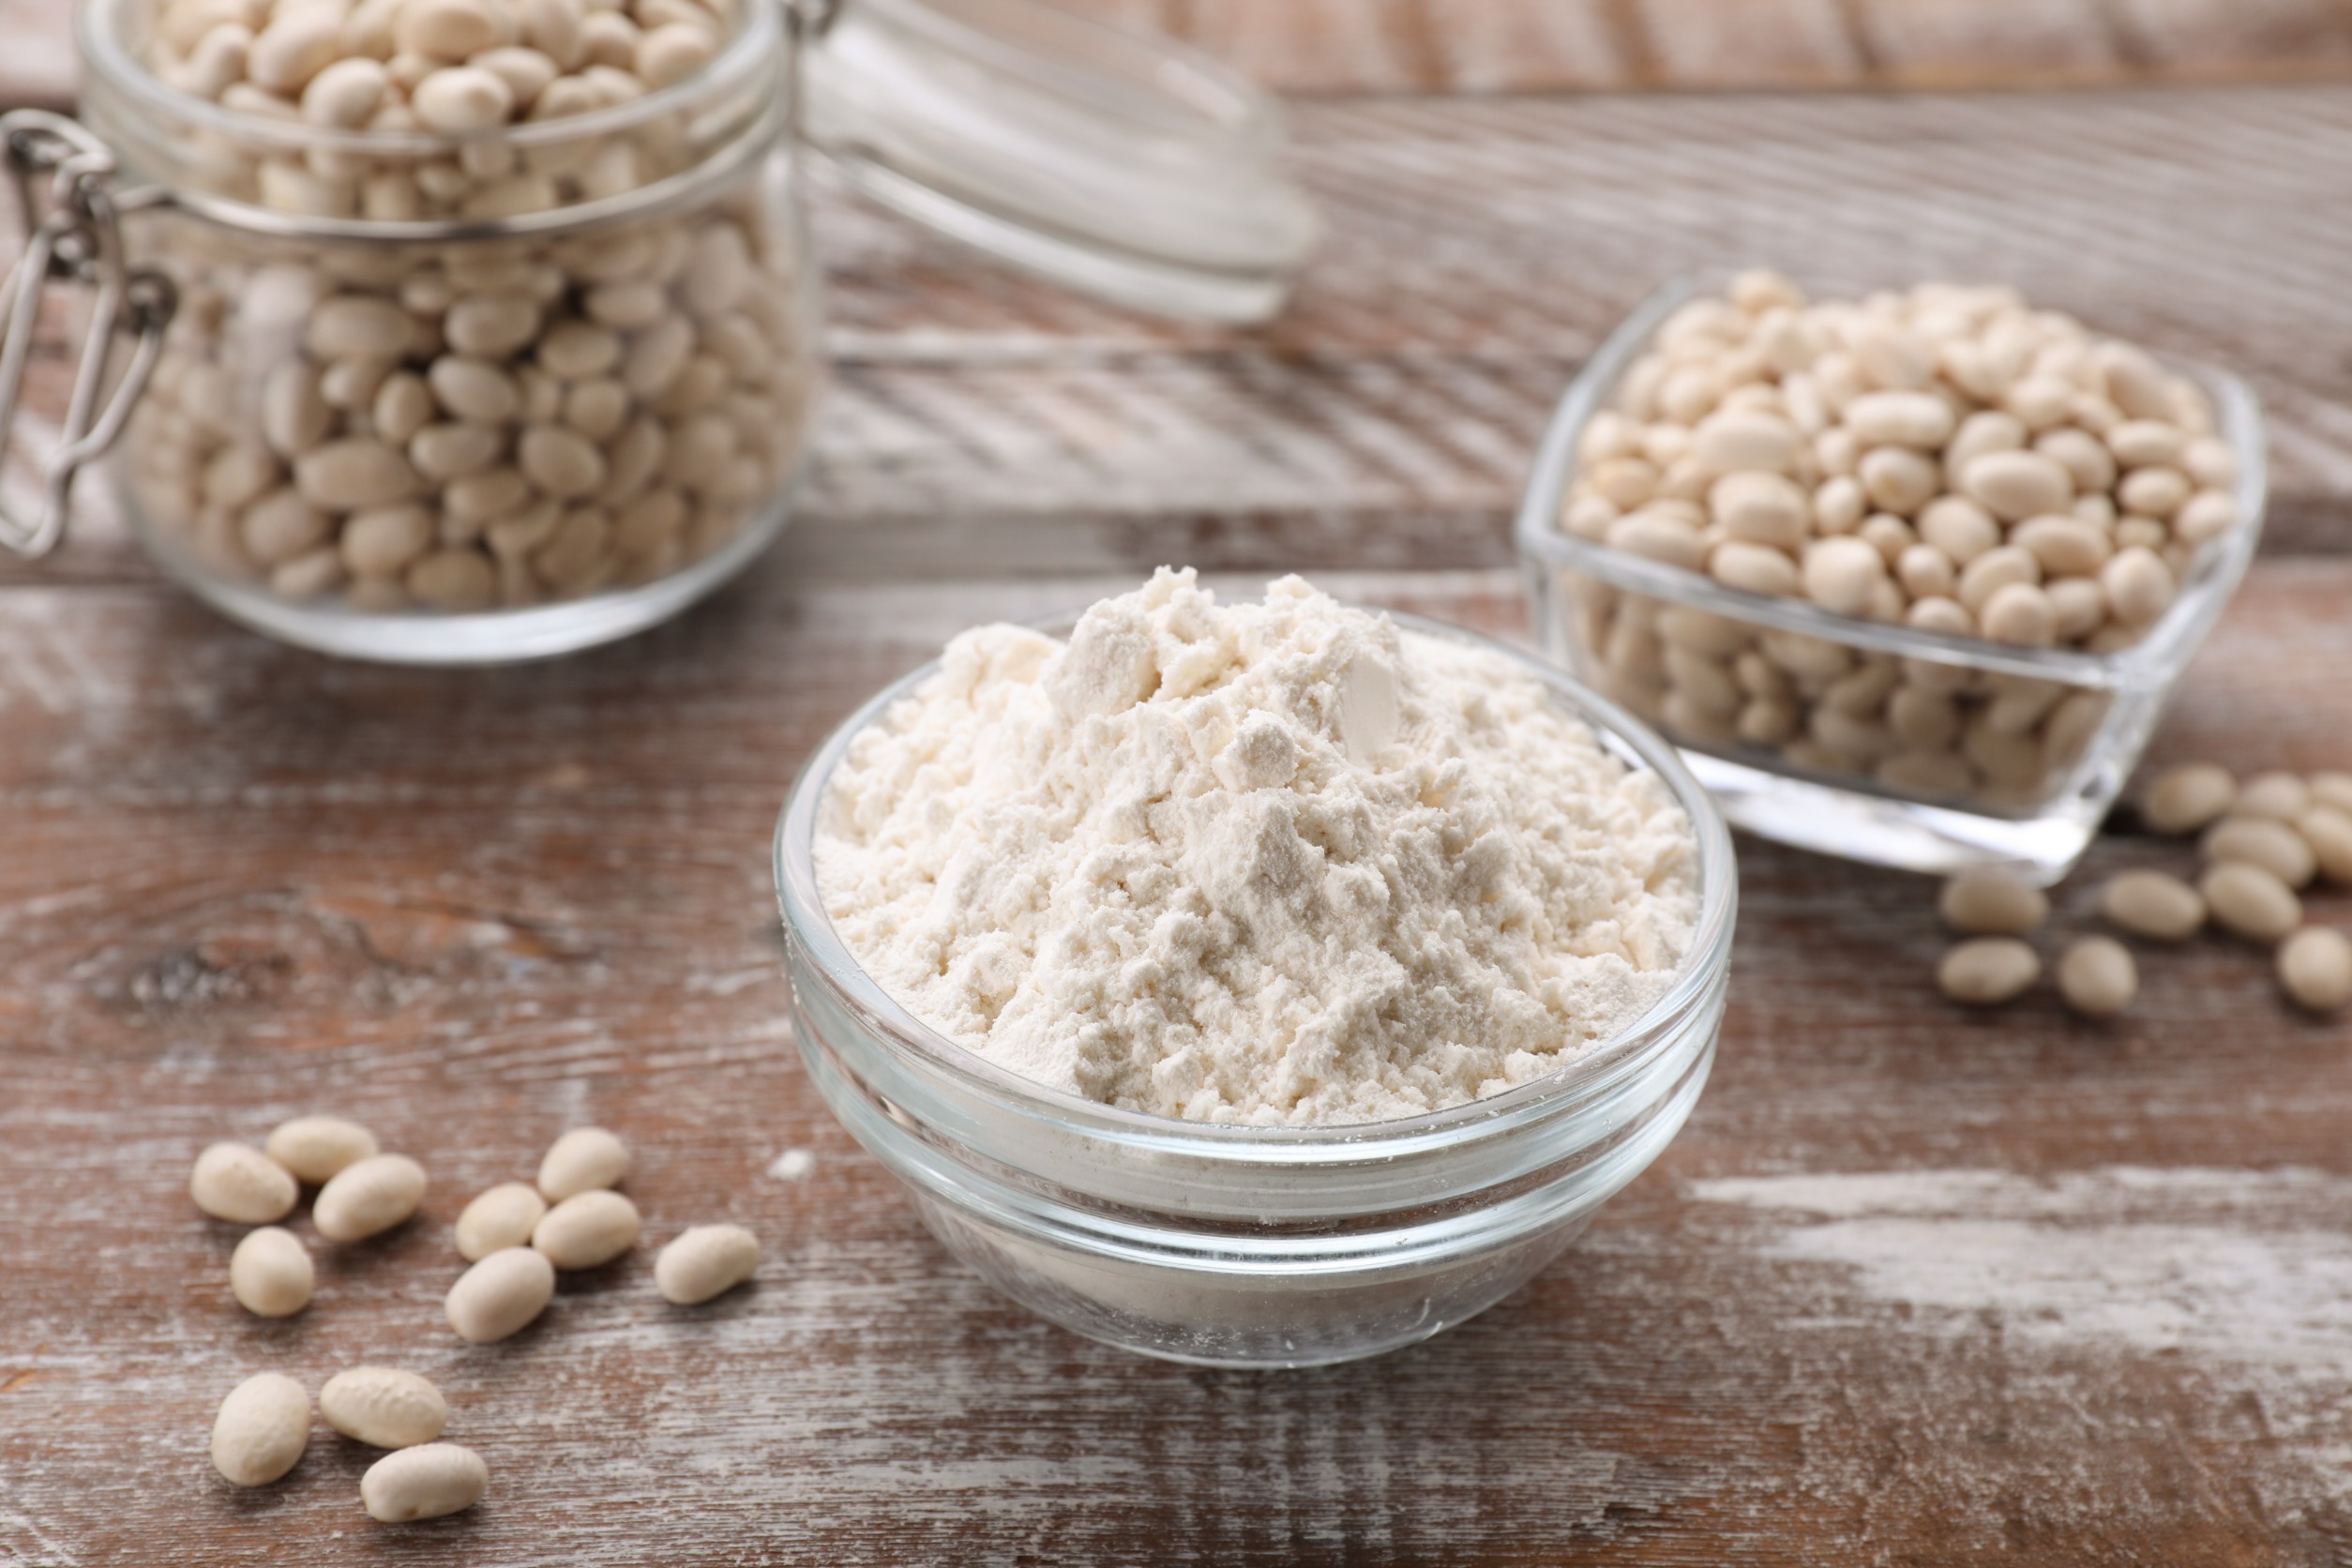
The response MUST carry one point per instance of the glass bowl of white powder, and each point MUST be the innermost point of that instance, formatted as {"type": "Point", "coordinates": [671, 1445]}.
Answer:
{"type": "Point", "coordinates": [1254, 984]}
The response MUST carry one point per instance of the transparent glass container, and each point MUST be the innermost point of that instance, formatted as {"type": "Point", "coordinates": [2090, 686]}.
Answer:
{"type": "Point", "coordinates": [1252, 1246]}
{"type": "Point", "coordinates": [469, 397]}
{"type": "Point", "coordinates": [2043, 740]}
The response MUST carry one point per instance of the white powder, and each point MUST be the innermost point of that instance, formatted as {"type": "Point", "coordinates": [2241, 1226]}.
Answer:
{"type": "Point", "coordinates": [1274, 863]}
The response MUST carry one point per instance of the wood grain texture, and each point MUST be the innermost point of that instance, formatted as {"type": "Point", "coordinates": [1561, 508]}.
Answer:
{"type": "Point", "coordinates": [1912, 1287]}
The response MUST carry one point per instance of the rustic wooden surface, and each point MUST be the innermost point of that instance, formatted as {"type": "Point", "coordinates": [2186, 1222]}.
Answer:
{"type": "Point", "coordinates": [1912, 1288]}
{"type": "Point", "coordinates": [1522, 46]}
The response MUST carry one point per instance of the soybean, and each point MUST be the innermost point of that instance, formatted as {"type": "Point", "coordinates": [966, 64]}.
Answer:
{"type": "Point", "coordinates": [2187, 798]}
{"type": "Point", "coordinates": [2273, 846]}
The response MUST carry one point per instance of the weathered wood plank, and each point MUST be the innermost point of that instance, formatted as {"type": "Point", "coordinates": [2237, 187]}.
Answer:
{"type": "Point", "coordinates": [1912, 1287]}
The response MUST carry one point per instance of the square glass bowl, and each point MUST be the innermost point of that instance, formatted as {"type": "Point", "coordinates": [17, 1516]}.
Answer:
{"type": "Point", "coordinates": [1252, 1246]}
{"type": "Point", "coordinates": [2051, 734]}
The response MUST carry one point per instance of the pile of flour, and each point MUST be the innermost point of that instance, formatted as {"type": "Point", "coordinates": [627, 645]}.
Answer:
{"type": "Point", "coordinates": [1275, 863]}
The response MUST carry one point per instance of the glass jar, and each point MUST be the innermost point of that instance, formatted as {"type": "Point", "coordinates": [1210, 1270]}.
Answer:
{"type": "Point", "coordinates": [455, 398]}
{"type": "Point", "coordinates": [2029, 746]}
{"type": "Point", "coordinates": [1252, 1246]}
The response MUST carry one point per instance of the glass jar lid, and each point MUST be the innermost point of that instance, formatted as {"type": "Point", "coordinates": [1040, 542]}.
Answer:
{"type": "Point", "coordinates": [1117, 163]}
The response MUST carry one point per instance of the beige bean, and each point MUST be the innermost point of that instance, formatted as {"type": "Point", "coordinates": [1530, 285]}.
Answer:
{"type": "Point", "coordinates": [609, 39]}
{"type": "Point", "coordinates": [1754, 569]}
{"type": "Point", "coordinates": [673, 52]}
{"type": "Point", "coordinates": [2146, 443]}
{"type": "Point", "coordinates": [382, 541]}
{"type": "Point", "coordinates": [2155, 492]}
{"type": "Point", "coordinates": [501, 1295]}
{"type": "Point", "coordinates": [270, 1273]}
{"type": "Point", "coordinates": [477, 498]}
{"type": "Point", "coordinates": [447, 450]}
{"type": "Point", "coordinates": [597, 408]}
{"type": "Point", "coordinates": [585, 1159]}
{"type": "Point", "coordinates": [402, 406]}
{"type": "Point", "coordinates": [491, 326]}
{"type": "Point", "coordinates": [1927, 572]}
{"type": "Point", "coordinates": [705, 1261]}
{"type": "Point", "coordinates": [1898, 479]}
{"type": "Point", "coordinates": [461, 99]}
{"type": "Point", "coordinates": [237, 1183]}
{"type": "Point", "coordinates": [2086, 457]}
{"type": "Point", "coordinates": [352, 383]}
{"type": "Point", "coordinates": [261, 1430]}
{"type": "Point", "coordinates": [586, 1230]}
{"type": "Point", "coordinates": [2282, 797]}
{"type": "Point", "coordinates": [577, 350]}
{"type": "Point", "coordinates": [1625, 483]}
{"type": "Point", "coordinates": [216, 62]}
{"type": "Point", "coordinates": [369, 1198]}
{"type": "Point", "coordinates": [354, 473]}
{"type": "Point", "coordinates": [280, 526]}
{"type": "Point", "coordinates": [2081, 606]}
{"type": "Point", "coordinates": [1919, 419]}
{"type": "Point", "coordinates": [2315, 968]}
{"type": "Point", "coordinates": [292, 49]}
{"type": "Point", "coordinates": [552, 28]}
{"type": "Point", "coordinates": [1986, 431]}
{"type": "Point", "coordinates": [2252, 901]}
{"type": "Point", "coordinates": [1893, 356]}
{"type": "Point", "coordinates": [2015, 486]}
{"type": "Point", "coordinates": [2154, 904]}
{"type": "Point", "coordinates": [473, 389]}
{"type": "Point", "coordinates": [344, 94]}
{"type": "Point", "coordinates": [358, 326]}
{"type": "Point", "coordinates": [2000, 567]}
{"type": "Point", "coordinates": [383, 1406]}
{"type": "Point", "coordinates": [2020, 613]}
{"type": "Point", "coordinates": [2185, 798]}
{"type": "Point", "coordinates": [563, 97]}
{"type": "Point", "coordinates": [237, 475]}
{"type": "Point", "coordinates": [454, 579]}
{"type": "Point", "coordinates": [1959, 527]}
{"type": "Point", "coordinates": [451, 29]}
{"type": "Point", "coordinates": [2205, 516]}
{"type": "Point", "coordinates": [560, 461]}
{"type": "Point", "coordinates": [1843, 574]}
{"type": "Point", "coordinates": [501, 1217]}
{"type": "Point", "coordinates": [525, 71]}
{"type": "Point", "coordinates": [2139, 586]}
{"type": "Point", "coordinates": [2272, 845]}
{"type": "Point", "coordinates": [306, 576]}
{"type": "Point", "coordinates": [1987, 970]}
{"type": "Point", "coordinates": [718, 270]}
{"type": "Point", "coordinates": [427, 1482]}
{"type": "Point", "coordinates": [2328, 832]}
{"type": "Point", "coordinates": [317, 1148]}
{"type": "Point", "coordinates": [2066, 546]}
{"type": "Point", "coordinates": [2097, 978]}
{"type": "Point", "coordinates": [1761, 508]}
{"type": "Point", "coordinates": [1992, 902]}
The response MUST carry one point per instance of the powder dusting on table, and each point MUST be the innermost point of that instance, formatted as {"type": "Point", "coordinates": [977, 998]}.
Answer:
{"type": "Point", "coordinates": [1269, 863]}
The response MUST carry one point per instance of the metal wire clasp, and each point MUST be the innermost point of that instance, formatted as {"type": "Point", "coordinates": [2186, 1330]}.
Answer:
{"type": "Point", "coordinates": [65, 178]}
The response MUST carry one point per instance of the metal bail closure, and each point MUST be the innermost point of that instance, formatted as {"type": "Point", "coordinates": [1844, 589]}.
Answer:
{"type": "Point", "coordinates": [71, 235]}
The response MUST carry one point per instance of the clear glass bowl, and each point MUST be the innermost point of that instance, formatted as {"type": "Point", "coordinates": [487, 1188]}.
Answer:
{"type": "Point", "coordinates": [2041, 772]}
{"type": "Point", "coordinates": [1252, 1246]}
{"type": "Point", "coordinates": [444, 398]}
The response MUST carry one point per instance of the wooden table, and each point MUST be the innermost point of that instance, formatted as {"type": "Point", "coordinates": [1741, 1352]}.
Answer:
{"type": "Point", "coordinates": [1913, 1287]}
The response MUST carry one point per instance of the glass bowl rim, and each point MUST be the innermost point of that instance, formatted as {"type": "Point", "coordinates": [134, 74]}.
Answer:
{"type": "Point", "coordinates": [1541, 542]}
{"type": "Point", "coordinates": [1701, 970]}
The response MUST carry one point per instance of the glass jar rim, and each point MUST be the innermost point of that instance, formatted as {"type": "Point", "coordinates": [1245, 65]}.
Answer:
{"type": "Point", "coordinates": [1591, 1074]}
{"type": "Point", "coordinates": [750, 49]}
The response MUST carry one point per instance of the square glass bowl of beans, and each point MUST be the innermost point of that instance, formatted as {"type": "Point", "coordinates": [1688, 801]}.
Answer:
{"type": "Point", "coordinates": [1907, 579]}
